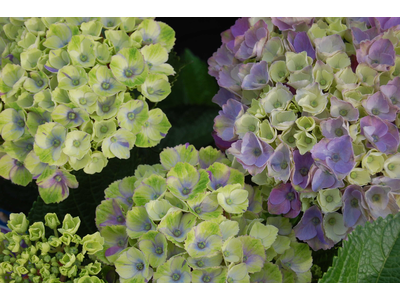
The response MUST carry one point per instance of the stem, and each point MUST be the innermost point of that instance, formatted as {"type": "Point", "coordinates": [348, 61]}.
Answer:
{"type": "Point", "coordinates": [55, 232]}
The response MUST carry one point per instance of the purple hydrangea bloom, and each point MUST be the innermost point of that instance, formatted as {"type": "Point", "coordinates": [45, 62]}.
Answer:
{"type": "Point", "coordinates": [353, 212]}
{"type": "Point", "coordinates": [252, 42]}
{"type": "Point", "coordinates": [59, 182]}
{"type": "Point", "coordinates": [360, 36]}
{"type": "Point", "coordinates": [118, 242]}
{"type": "Point", "coordinates": [299, 42]}
{"type": "Point", "coordinates": [279, 163]}
{"type": "Point", "coordinates": [257, 78]}
{"type": "Point", "coordinates": [229, 78]}
{"type": "Point", "coordinates": [343, 109]}
{"type": "Point", "coordinates": [223, 96]}
{"type": "Point", "coordinates": [392, 91]}
{"type": "Point", "coordinates": [336, 153]}
{"type": "Point", "coordinates": [289, 23]}
{"type": "Point", "coordinates": [284, 199]}
{"type": "Point", "coordinates": [252, 153]}
{"type": "Point", "coordinates": [116, 218]}
{"type": "Point", "coordinates": [309, 230]}
{"type": "Point", "coordinates": [238, 29]}
{"type": "Point", "coordinates": [379, 203]}
{"type": "Point", "coordinates": [382, 134]}
{"type": "Point", "coordinates": [220, 143]}
{"type": "Point", "coordinates": [324, 178]}
{"type": "Point", "coordinates": [223, 57]}
{"type": "Point", "coordinates": [393, 183]}
{"type": "Point", "coordinates": [386, 22]}
{"type": "Point", "coordinates": [123, 194]}
{"type": "Point", "coordinates": [379, 105]}
{"type": "Point", "coordinates": [333, 128]}
{"type": "Point", "coordinates": [301, 172]}
{"type": "Point", "coordinates": [225, 121]}
{"type": "Point", "coordinates": [379, 54]}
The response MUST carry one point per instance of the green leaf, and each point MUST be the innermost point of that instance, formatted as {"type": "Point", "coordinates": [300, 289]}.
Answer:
{"type": "Point", "coordinates": [371, 254]}
{"type": "Point", "coordinates": [192, 84]}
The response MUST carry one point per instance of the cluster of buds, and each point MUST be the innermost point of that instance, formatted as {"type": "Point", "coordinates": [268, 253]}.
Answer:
{"type": "Point", "coordinates": [310, 110]}
{"type": "Point", "coordinates": [74, 94]}
{"type": "Point", "coordinates": [26, 255]}
{"type": "Point", "coordinates": [193, 218]}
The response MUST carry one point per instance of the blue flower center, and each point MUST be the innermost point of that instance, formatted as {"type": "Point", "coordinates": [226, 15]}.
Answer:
{"type": "Point", "coordinates": [176, 277]}
{"type": "Point", "coordinates": [147, 226]}
{"type": "Point", "coordinates": [257, 152]}
{"type": "Point", "coordinates": [128, 73]}
{"type": "Point", "coordinates": [332, 221]}
{"type": "Point", "coordinates": [206, 278]}
{"type": "Point", "coordinates": [291, 139]}
{"type": "Point", "coordinates": [110, 24]}
{"type": "Point", "coordinates": [159, 250]}
{"type": "Point", "coordinates": [281, 74]}
{"type": "Point", "coordinates": [21, 123]}
{"type": "Point", "coordinates": [82, 101]}
{"type": "Point", "coordinates": [329, 199]}
{"type": "Point", "coordinates": [120, 219]}
{"type": "Point", "coordinates": [130, 116]}
{"type": "Point", "coordinates": [71, 116]}
{"type": "Point", "coordinates": [354, 203]}
{"type": "Point", "coordinates": [83, 57]}
{"type": "Point", "coordinates": [29, 147]}
{"type": "Point", "coordinates": [252, 127]}
{"type": "Point", "coordinates": [229, 280]}
{"type": "Point", "coordinates": [39, 83]}
{"type": "Point", "coordinates": [18, 164]}
{"type": "Point", "coordinates": [277, 104]}
{"type": "Point", "coordinates": [57, 178]}
{"type": "Point", "coordinates": [75, 82]}
{"type": "Point", "coordinates": [314, 103]}
{"type": "Point", "coordinates": [284, 165]}
{"type": "Point", "coordinates": [139, 266]}
{"type": "Point", "coordinates": [218, 186]}
{"type": "Point", "coordinates": [198, 210]}
{"type": "Point", "coordinates": [105, 86]}
{"type": "Point", "coordinates": [376, 197]}
{"type": "Point", "coordinates": [56, 142]}
{"type": "Point", "coordinates": [375, 138]}
{"type": "Point", "coordinates": [76, 143]}
{"type": "Point", "coordinates": [391, 166]}
{"type": "Point", "coordinates": [335, 157]}
{"type": "Point", "coordinates": [308, 140]}
{"type": "Point", "coordinates": [322, 82]}
{"type": "Point", "coordinates": [304, 171]}
{"type": "Point", "coordinates": [104, 129]}
{"type": "Point", "coordinates": [315, 221]}
{"type": "Point", "coordinates": [186, 191]}
{"type": "Point", "coordinates": [201, 245]}
{"type": "Point", "coordinates": [176, 232]}
{"type": "Point", "coordinates": [120, 243]}
{"type": "Point", "coordinates": [375, 111]}
{"type": "Point", "coordinates": [244, 258]}
{"type": "Point", "coordinates": [200, 264]}
{"type": "Point", "coordinates": [290, 196]}
{"type": "Point", "coordinates": [229, 201]}
{"type": "Point", "coordinates": [150, 90]}
{"type": "Point", "coordinates": [42, 121]}
{"type": "Point", "coordinates": [338, 131]}
{"type": "Point", "coordinates": [343, 112]}
{"type": "Point", "coordinates": [113, 139]}
{"type": "Point", "coordinates": [226, 253]}
{"type": "Point", "coordinates": [394, 100]}
{"type": "Point", "coordinates": [262, 81]}
{"type": "Point", "coordinates": [105, 108]}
